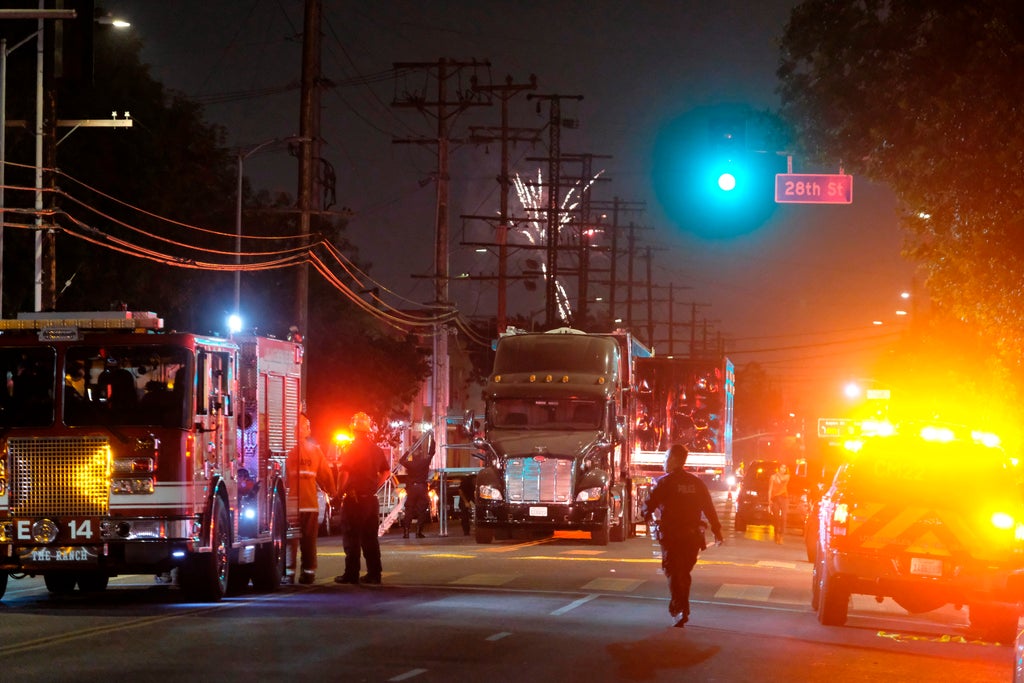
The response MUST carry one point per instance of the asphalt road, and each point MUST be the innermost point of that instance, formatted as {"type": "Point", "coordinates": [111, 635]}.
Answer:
{"type": "Point", "coordinates": [543, 609]}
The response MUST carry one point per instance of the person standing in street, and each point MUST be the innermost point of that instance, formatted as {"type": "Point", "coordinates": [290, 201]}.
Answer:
{"type": "Point", "coordinates": [778, 500]}
{"type": "Point", "coordinates": [417, 504]}
{"type": "Point", "coordinates": [362, 471]}
{"type": "Point", "coordinates": [307, 470]}
{"type": "Point", "coordinates": [467, 499]}
{"type": "Point", "coordinates": [680, 499]}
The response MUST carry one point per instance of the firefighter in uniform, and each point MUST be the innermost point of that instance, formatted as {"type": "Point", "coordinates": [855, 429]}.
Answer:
{"type": "Point", "coordinates": [307, 469]}
{"type": "Point", "coordinates": [417, 504]}
{"type": "Point", "coordinates": [361, 473]}
{"type": "Point", "coordinates": [681, 498]}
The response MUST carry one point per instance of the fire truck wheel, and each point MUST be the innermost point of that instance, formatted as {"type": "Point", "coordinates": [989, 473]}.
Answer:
{"type": "Point", "coordinates": [60, 583]}
{"type": "Point", "coordinates": [93, 582]}
{"type": "Point", "coordinates": [205, 575]}
{"type": "Point", "coordinates": [833, 600]}
{"type": "Point", "coordinates": [270, 557]}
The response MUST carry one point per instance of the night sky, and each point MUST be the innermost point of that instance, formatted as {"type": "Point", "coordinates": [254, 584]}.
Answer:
{"type": "Point", "coordinates": [800, 293]}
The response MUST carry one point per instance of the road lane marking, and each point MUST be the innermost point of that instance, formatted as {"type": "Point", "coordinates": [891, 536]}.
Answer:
{"type": "Point", "coordinates": [584, 552]}
{"type": "Point", "coordinates": [411, 673]}
{"type": "Point", "coordinates": [498, 636]}
{"type": "Point", "coordinates": [574, 604]}
{"type": "Point", "coordinates": [517, 546]}
{"type": "Point", "coordinates": [109, 628]}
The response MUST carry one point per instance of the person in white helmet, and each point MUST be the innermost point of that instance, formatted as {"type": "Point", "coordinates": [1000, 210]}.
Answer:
{"type": "Point", "coordinates": [362, 471]}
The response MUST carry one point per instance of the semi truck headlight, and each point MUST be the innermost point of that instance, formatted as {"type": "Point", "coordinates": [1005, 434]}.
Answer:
{"type": "Point", "coordinates": [593, 493]}
{"type": "Point", "coordinates": [486, 492]}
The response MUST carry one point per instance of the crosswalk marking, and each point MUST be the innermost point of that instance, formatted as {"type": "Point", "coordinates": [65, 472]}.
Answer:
{"type": "Point", "coordinates": [484, 580]}
{"type": "Point", "coordinates": [610, 584]}
{"type": "Point", "coordinates": [738, 591]}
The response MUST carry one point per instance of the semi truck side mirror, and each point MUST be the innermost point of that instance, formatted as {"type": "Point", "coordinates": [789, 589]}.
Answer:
{"type": "Point", "coordinates": [468, 424]}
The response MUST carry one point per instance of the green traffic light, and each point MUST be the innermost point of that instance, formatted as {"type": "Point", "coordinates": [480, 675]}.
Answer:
{"type": "Point", "coordinates": [727, 182]}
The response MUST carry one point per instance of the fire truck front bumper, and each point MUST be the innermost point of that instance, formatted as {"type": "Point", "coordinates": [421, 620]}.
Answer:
{"type": "Point", "coordinates": [127, 546]}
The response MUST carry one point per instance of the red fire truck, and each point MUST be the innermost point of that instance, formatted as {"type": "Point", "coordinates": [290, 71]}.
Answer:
{"type": "Point", "coordinates": [127, 449]}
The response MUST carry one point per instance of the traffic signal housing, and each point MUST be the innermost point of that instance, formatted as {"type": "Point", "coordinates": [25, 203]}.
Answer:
{"type": "Point", "coordinates": [708, 178]}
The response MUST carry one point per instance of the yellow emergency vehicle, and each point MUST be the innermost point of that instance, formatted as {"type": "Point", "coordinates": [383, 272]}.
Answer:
{"type": "Point", "coordinates": [927, 516]}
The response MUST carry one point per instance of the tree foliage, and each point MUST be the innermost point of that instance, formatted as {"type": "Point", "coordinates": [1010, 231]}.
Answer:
{"type": "Point", "coordinates": [923, 95]}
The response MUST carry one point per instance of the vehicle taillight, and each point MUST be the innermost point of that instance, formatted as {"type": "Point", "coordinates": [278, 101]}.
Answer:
{"type": "Point", "coordinates": [840, 515]}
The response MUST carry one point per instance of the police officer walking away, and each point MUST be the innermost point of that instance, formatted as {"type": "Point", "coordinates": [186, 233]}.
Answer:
{"type": "Point", "coordinates": [417, 504]}
{"type": "Point", "coordinates": [362, 471]}
{"type": "Point", "coordinates": [307, 469]}
{"type": "Point", "coordinates": [680, 498]}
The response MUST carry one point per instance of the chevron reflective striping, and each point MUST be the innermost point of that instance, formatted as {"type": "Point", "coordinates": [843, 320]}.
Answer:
{"type": "Point", "coordinates": [912, 529]}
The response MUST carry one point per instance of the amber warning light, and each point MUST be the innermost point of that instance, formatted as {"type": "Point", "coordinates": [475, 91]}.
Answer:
{"type": "Point", "coordinates": [808, 188]}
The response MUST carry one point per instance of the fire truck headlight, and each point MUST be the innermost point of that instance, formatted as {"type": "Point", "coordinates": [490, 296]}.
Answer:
{"type": "Point", "coordinates": [486, 492]}
{"type": "Point", "coordinates": [132, 485]}
{"type": "Point", "coordinates": [142, 465]}
{"type": "Point", "coordinates": [44, 531]}
{"type": "Point", "coordinates": [6, 532]}
{"type": "Point", "coordinates": [593, 493]}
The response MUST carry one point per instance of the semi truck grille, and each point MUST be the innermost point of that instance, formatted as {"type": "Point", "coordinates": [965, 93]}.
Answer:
{"type": "Point", "coordinates": [59, 476]}
{"type": "Point", "coordinates": [539, 479]}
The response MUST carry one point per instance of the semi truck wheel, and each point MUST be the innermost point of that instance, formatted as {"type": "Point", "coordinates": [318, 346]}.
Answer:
{"type": "Point", "coordinates": [601, 534]}
{"type": "Point", "coordinates": [620, 532]}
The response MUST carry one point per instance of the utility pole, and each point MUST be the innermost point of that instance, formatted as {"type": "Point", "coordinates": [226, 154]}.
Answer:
{"type": "Point", "coordinates": [555, 123]}
{"type": "Point", "coordinates": [45, 131]}
{"type": "Point", "coordinates": [586, 177]}
{"type": "Point", "coordinates": [443, 110]}
{"type": "Point", "coordinates": [506, 134]}
{"type": "Point", "coordinates": [309, 133]}
{"type": "Point", "coordinates": [650, 296]}
{"type": "Point", "coordinates": [616, 206]}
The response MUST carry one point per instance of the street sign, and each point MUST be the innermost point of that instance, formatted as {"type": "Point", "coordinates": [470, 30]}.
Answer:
{"type": "Point", "coordinates": [833, 427]}
{"type": "Point", "coordinates": [809, 188]}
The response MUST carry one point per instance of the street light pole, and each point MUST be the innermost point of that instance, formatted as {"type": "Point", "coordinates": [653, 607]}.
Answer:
{"type": "Point", "coordinates": [244, 154]}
